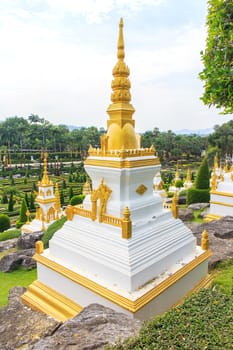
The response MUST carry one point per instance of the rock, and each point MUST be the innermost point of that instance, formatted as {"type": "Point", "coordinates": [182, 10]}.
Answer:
{"type": "Point", "coordinates": [28, 240]}
{"type": "Point", "coordinates": [220, 238]}
{"type": "Point", "coordinates": [94, 328]}
{"type": "Point", "coordinates": [182, 200]}
{"type": "Point", "coordinates": [8, 244]}
{"type": "Point", "coordinates": [198, 206]}
{"type": "Point", "coordinates": [22, 258]}
{"type": "Point", "coordinates": [185, 214]}
{"type": "Point", "coordinates": [21, 327]}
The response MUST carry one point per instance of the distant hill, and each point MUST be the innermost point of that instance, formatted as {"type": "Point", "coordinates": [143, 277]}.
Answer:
{"type": "Point", "coordinates": [72, 127]}
{"type": "Point", "coordinates": [201, 132]}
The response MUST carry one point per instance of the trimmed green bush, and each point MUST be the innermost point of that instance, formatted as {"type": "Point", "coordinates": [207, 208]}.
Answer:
{"type": "Point", "coordinates": [202, 181]}
{"type": "Point", "coordinates": [22, 217]}
{"type": "Point", "coordinates": [55, 226]}
{"type": "Point", "coordinates": [195, 195]}
{"type": "Point", "coordinates": [179, 183]}
{"type": "Point", "coordinates": [4, 199]}
{"type": "Point", "coordinates": [77, 199]}
{"type": "Point", "coordinates": [4, 236]}
{"type": "Point", "coordinates": [4, 222]}
{"type": "Point", "coordinates": [11, 203]}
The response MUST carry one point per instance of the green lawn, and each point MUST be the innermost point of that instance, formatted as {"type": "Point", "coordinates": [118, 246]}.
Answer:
{"type": "Point", "coordinates": [224, 276]}
{"type": "Point", "coordinates": [203, 321]}
{"type": "Point", "coordinates": [16, 278]}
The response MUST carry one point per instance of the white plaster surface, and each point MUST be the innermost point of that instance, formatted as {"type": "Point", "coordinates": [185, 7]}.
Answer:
{"type": "Point", "coordinates": [84, 296]}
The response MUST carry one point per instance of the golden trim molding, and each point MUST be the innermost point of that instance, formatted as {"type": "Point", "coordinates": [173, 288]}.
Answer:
{"type": "Point", "coordinates": [226, 194]}
{"type": "Point", "coordinates": [128, 304]}
{"type": "Point", "coordinates": [122, 163]}
{"type": "Point", "coordinates": [45, 201]}
{"type": "Point", "coordinates": [222, 203]}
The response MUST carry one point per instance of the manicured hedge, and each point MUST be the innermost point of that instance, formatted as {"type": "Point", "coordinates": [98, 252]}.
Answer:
{"type": "Point", "coordinates": [4, 222]}
{"type": "Point", "coordinates": [51, 230]}
{"type": "Point", "coordinates": [195, 195]}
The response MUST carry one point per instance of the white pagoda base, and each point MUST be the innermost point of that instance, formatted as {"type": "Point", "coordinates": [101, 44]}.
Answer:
{"type": "Point", "coordinates": [221, 199]}
{"type": "Point", "coordinates": [143, 276]}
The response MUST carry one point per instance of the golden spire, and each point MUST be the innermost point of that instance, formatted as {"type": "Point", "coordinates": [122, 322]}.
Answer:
{"type": "Point", "coordinates": [177, 175]}
{"type": "Point", "coordinates": [121, 133]}
{"type": "Point", "coordinates": [45, 179]}
{"type": "Point", "coordinates": [57, 204]}
{"type": "Point", "coordinates": [188, 176]}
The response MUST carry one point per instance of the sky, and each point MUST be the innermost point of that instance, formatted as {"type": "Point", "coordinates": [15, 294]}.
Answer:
{"type": "Point", "coordinates": [56, 60]}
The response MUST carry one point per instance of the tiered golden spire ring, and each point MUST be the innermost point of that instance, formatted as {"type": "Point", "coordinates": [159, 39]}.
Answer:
{"type": "Point", "coordinates": [45, 179]}
{"type": "Point", "coordinates": [121, 133]}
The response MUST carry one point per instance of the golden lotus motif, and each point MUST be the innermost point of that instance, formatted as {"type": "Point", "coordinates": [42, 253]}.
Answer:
{"type": "Point", "coordinates": [141, 189]}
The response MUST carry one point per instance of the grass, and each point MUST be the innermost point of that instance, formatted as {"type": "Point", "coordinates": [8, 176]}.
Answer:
{"type": "Point", "coordinates": [224, 276]}
{"type": "Point", "coordinates": [9, 234]}
{"type": "Point", "coordinates": [18, 277]}
{"type": "Point", "coordinates": [196, 214]}
{"type": "Point", "coordinates": [203, 321]}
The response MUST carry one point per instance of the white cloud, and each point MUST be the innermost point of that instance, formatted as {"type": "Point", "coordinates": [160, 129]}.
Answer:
{"type": "Point", "coordinates": [95, 10]}
{"type": "Point", "coordinates": [68, 82]}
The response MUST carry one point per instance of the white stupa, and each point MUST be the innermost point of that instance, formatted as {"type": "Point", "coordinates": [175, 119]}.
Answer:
{"type": "Point", "coordinates": [49, 209]}
{"type": "Point", "coordinates": [120, 248]}
{"type": "Point", "coordinates": [221, 194]}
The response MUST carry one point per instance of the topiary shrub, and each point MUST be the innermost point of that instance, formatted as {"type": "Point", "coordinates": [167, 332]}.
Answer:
{"type": "Point", "coordinates": [22, 216]}
{"type": "Point", "coordinates": [203, 176]}
{"type": "Point", "coordinates": [4, 222]}
{"type": "Point", "coordinates": [195, 195]}
{"type": "Point", "coordinates": [55, 226]}
{"type": "Point", "coordinates": [77, 199]}
{"type": "Point", "coordinates": [179, 183]}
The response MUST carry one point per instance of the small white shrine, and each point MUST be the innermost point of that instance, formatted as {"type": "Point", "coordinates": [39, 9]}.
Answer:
{"type": "Point", "coordinates": [49, 209]}
{"type": "Point", "coordinates": [120, 248]}
{"type": "Point", "coordinates": [221, 194]}
{"type": "Point", "coordinates": [187, 183]}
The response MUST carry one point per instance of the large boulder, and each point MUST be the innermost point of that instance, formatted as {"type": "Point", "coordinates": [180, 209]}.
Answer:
{"type": "Point", "coordinates": [28, 240]}
{"type": "Point", "coordinates": [8, 244]}
{"type": "Point", "coordinates": [94, 328]}
{"type": "Point", "coordinates": [185, 214]}
{"type": "Point", "coordinates": [20, 327]}
{"type": "Point", "coordinates": [220, 238]}
{"type": "Point", "coordinates": [22, 258]}
{"type": "Point", "coordinates": [198, 206]}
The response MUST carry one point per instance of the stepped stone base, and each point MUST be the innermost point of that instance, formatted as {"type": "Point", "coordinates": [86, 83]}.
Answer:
{"type": "Point", "coordinates": [73, 290]}
{"type": "Point", "coordinates": [211, 217]}
{"type": "Point", "coordinates": [45, 299]}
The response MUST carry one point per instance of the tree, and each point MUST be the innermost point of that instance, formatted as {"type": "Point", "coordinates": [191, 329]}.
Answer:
{"type": "Point", "coordinates": [22, 216]}
{"type": "Point", "coordinates": [222, 139]}
{"type": "Point", "coordinates": [218, 56]}
{"type": "Point", "coordinates": [4, 199]}
{"type": "Point", "coordinates": [11, 202]}
{"type": "Point", "coordinates": [26, 199]}
{"type": "Point", "coordinates": [4, 222]}
{"type": "Point", "coordinates": [71, 192]}
{"type": "Point", "coordinates": [32, 201]}
{"type": "Point", "coordinates": [62, 199]}
{"type": "Point", "coordinates": [78, 199]}
{"type": "Point", "coordinates": [202, 181]}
